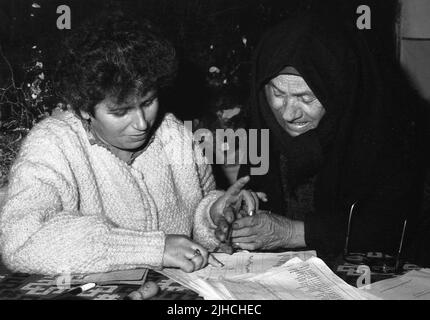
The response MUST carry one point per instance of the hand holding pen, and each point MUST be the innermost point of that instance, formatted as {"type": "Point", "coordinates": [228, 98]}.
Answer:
{"type": "Point", "coordinates": [230, 207]}
{"type": "Point", "coordinates": [182, 252]}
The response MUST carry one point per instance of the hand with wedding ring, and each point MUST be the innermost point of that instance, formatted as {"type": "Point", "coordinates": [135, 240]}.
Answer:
{"type": "Point", "coordinates": [181, 252]}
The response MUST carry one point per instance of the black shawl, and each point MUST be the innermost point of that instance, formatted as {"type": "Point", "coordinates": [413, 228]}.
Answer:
{"type": "Point", "coordinates": [364, 149]}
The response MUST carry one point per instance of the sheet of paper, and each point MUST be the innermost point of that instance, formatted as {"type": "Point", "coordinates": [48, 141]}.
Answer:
{"type": "Point", "coordinates": [245, 262]}
{"type": "Point", "coordinates": [414, 285]}
{"type": "Point", "coordinates": [273, 276]}
{"type": "Point", "coordinates": [239, 263]}
{"type": "Point", "coordinates": [305, 280]}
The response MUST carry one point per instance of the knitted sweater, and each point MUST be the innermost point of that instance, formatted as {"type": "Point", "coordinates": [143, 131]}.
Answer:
{"type": "Point", "coordinates": [75, 207]}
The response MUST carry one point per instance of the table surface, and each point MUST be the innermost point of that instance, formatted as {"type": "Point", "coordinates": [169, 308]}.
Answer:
{"type": "Point", "coordinates": [18, 286]}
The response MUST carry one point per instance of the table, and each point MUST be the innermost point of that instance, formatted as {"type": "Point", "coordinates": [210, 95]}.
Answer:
{"type": "Point", "coordinates": [18, 286]}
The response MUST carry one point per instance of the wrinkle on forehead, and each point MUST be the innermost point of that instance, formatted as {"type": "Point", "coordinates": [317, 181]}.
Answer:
{"type": "Point", "coordinates": [291, 84]}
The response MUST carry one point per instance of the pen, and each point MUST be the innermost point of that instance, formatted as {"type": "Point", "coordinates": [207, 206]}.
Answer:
{"type": "Point", "coordinates": [229, 233]}
{"type": "Point", "coordinates": [75, 291]}
{"type": "Point", "coordinates": [211, 259]}
{"type": "Point", "coordinates": [214, 261]}
{"type": "Point", "coordinates": [236, 210]}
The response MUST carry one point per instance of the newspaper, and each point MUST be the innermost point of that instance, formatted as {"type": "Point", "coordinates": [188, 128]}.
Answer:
{"type": "Point", "coordinates": [268, 276]}
{"type": "Point", "coordinates": [414, 285]}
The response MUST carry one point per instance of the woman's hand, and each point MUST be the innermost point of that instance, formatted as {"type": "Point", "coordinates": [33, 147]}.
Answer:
{"type": "Point", "coordinates": [267, 231]}
{"type": "Point", "coordinates": [228, 207]}
{"type": "Point", "coordinates": [181, 252]}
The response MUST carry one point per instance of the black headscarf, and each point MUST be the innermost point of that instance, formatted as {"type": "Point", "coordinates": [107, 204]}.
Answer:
{"type": "Point", "coordinates": [365, 137]}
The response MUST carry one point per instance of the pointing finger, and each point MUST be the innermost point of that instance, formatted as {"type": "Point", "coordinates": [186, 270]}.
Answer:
{"type": "Point", "coordinates": [238, 186]}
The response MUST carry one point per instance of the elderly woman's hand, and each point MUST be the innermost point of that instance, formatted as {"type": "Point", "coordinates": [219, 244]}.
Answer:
{"type": "Point", "coordinates": [226, 209]}
{"type": "Point", "coordinates": [267, 231]}
{"type": "Point", "coordinates": [181, 252]}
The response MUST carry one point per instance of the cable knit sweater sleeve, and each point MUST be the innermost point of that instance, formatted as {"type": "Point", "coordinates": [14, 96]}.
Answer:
{"type": "Point", "coordinates": [204, 228]}
{"type": "Point", "coordinates": [42, 229]}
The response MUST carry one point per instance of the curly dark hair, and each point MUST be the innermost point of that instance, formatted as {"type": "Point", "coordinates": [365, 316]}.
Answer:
{"type": "Point", "coordinates": [112, 56]}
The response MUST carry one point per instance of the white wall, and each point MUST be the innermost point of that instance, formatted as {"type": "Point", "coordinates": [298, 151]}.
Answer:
{"type": "Point", "coordinates": [415, 42]}
{"type": "Point", "coordinates": [415, 19]}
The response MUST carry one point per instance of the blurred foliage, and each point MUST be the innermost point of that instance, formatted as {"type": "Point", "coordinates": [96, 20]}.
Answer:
{"type": "Point", "coordinates": [25, 99]}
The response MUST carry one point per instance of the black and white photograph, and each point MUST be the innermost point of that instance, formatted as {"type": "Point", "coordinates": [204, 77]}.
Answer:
{"type": "Point", "coordinates": [214, 155]}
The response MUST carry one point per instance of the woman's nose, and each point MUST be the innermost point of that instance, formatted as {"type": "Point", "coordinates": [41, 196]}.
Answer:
{"type": "Point", "coordinates": [292, 110]}
{"type": "Point", "coordinates": [140, 122]}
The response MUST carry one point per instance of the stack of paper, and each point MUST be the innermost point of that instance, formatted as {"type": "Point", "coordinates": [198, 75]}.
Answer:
{"type": "Point", "coordinates": [268, 276]}
{"type": "Point", "coordinates": [414, 285]}
{"type": "Point", "coordinates": [239, 263]}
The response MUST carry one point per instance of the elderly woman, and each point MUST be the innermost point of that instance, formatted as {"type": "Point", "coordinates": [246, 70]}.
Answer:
{"type": "Point", "coordinates": [339, 136]}
{"type": "Point", "coordinates": [115, 183]}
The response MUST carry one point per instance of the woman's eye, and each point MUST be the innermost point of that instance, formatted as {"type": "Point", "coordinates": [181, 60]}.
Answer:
{"type": "Point", "coordinates": [119, 113]}
{"type": "Point", "coordinates": [308, 98]}
{"type": "Point", "coordinates": [277, 93]}
{"type": "Point", "coordinates": [147, 103]}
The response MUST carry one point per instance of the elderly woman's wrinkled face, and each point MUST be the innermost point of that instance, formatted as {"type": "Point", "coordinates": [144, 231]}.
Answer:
{"type": "Point", "coordinates": [293, 103]}
{"type": "Point", "coordinates": [126, 126]}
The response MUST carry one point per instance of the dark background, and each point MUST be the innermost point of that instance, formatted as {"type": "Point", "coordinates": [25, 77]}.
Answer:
{"type": "Point", "coordinates": [205, 32]}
